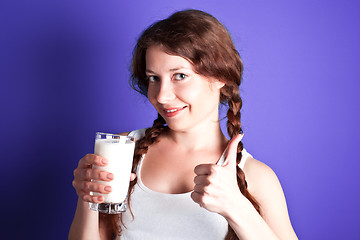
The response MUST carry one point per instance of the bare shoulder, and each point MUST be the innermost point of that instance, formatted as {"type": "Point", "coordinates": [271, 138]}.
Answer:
{"type": "Point", "coordinates": [259, 175]}
{"type": "Point", "coordinates": [262, 182]}
{"type": "Point", "coordinates": [264, 186]}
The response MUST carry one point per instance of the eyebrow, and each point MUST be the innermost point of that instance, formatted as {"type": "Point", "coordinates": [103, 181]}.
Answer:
{"type": "Point", "coordinates": [170, 70]}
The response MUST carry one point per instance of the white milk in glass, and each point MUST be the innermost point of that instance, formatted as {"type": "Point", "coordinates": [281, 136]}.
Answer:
{"type": "Point", "coordinates": [119, 152]}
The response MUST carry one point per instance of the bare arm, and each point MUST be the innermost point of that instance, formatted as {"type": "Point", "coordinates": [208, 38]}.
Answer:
{"type": "Point", "coordinates": [216, 190]}
{"type": "Point", "coordinates": [86, 223]}
{"type": "Point", "coordinates": [265, 187]}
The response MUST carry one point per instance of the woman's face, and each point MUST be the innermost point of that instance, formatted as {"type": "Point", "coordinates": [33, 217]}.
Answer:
{"type": "Point", "coordinates": [183, 98]}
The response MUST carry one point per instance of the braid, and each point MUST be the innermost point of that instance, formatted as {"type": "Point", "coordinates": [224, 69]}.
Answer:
{"type": "Point", "coordinates": [142, 145]}
{"type": "Point", "coordinates": [141, 148]}
{"type": "Point", "coordinates": [234, 128]}
{"type": "Point", "coordinates": [233, 114]}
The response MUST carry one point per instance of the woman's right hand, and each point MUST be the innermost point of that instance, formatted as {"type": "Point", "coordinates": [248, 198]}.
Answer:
{"type": "Point", "coordinates": [83, 175]}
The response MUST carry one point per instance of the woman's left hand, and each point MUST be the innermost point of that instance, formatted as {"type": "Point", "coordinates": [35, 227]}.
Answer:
{"type": "Point", "coordinates": [216, 186]}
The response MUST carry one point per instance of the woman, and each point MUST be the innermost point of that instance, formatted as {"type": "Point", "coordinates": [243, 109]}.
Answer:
{"type": "Point", "coordinates": [189, 181]}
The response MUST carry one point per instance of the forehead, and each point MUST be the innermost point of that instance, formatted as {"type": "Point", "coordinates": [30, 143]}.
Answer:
{"type": "Point", "coordinates": [159, 60]}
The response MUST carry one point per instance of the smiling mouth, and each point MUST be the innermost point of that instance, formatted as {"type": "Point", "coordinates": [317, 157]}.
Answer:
{"type": "Point", "coordinates": [171, 112]}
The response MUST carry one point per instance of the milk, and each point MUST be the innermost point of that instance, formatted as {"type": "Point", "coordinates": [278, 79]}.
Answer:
{"type": "Point", "coordinates": [119, 152]}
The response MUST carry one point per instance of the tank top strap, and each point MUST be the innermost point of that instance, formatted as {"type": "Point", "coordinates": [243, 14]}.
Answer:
{"type": "Point", "coordinates": [245, 156]}
{"type": "Point", "coordinates": [137, 134]}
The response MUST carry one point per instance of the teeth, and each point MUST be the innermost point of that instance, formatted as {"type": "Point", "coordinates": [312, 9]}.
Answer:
{"type": "Point", "coordinates": [173, 110]}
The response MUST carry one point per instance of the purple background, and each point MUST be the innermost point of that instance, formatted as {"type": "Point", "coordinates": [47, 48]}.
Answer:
{"type": "Point", "coordinates": [64, 75]}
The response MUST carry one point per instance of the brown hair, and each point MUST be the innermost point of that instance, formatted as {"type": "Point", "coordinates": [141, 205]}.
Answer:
{"type": "Point", "coordinates": [202, 40]}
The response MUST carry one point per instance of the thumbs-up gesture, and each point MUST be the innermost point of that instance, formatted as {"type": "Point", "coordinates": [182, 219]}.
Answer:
{"type": "Point", "coordinates": [216, 186]}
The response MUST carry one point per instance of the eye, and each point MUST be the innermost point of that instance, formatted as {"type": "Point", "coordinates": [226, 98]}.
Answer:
{"type": "Point", "coordinates": [180, 76]}
{"type": "Point", "coordinates": [152, 78]}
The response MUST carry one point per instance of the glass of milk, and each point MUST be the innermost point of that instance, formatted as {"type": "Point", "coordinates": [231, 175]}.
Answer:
{"type": "Point", "coordinates": [119, 151]}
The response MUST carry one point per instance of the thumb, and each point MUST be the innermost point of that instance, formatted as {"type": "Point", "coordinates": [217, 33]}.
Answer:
{"type": "Point", "coordinates": [231, 150]}
{"type": "Point", "coordinates": [132, 177]}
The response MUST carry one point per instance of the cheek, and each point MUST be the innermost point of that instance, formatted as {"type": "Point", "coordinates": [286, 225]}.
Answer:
{"type": "Point", "coordinates": [198, 93]}
{"type": "Point", "coordinates": [188, 95]}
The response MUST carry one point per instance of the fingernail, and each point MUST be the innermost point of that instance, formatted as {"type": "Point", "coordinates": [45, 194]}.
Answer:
{"type": "Point", "coordinates": [110, 176]}
{"type": "Point", "coordinates": [100, 199]}
{"type": "Point", "coordinates": [104, 161]}
{"type": "Point", "coordinates": [107, 189]}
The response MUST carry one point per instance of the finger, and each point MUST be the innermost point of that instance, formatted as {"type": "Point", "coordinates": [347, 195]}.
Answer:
{"type": "Point", "coordinates": [201, 189]}
{"type": "Point", "coordinates": [84, 188]}
{"type": "Point", "coordinates": [91, 159]}
{"type": "Point", "coordinates": [92, 199]}
{"type": "Point", "coordinates": [230, 157]}
{"type": "Point", "coordinates": [196, 197]}
{"type": "Point", "coordinates": [132, 177]}
{"type": "Point", "coordinates": [204, 169]}
{"type": "Point", "coordinates": [202, 180]}
{"type": "Point", "coordinates": [95, 174]}
{"type": "Point", "coordinates": [95, 187]}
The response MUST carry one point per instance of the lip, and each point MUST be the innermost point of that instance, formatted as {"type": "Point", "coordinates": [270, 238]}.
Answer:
{"type": "Point", "coordinates": [174, 111]}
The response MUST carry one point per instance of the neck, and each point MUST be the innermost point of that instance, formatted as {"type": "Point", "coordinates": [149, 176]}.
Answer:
{"type": "Point", "coordinates": [202, 137]}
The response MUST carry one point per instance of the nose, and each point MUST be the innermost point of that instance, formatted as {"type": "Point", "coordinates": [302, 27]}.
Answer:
{"type": "Point", "coordinates": [165, 92]}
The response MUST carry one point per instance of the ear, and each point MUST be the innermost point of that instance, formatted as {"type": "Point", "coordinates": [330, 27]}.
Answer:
{"type": "Point", "coordinates": [218, 84]}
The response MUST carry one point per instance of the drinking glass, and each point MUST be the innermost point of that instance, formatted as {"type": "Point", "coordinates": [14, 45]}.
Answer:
{"type": "Point", "coordinates": [119, 151]}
